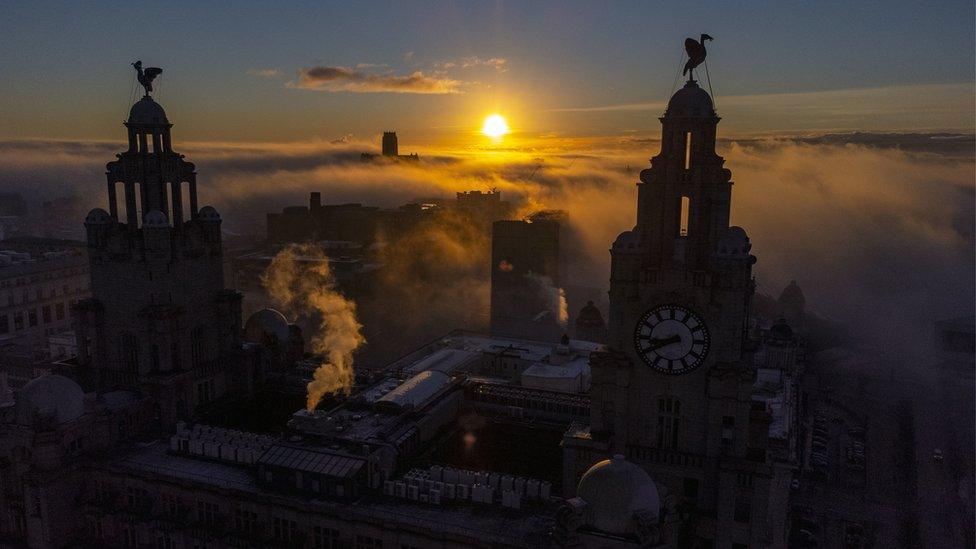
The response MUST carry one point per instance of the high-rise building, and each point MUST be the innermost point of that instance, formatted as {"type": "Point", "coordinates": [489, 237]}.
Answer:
{"type": "Point", "coordinates": [678, 393]}
{"type": "Point", "coordinates": [526, 300]}
{"type": "Point", "coordinates": [159, 318]}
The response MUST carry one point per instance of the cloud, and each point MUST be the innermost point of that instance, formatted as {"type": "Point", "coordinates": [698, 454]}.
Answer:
{"type": "Point", "coordinates": [264, 73]}
{"type": "Point", "coordinates": [878, 229]}
{"type": "Point", "coordinates": [497, 63]}
{"type": "Point", "coordinates": [342, 79]}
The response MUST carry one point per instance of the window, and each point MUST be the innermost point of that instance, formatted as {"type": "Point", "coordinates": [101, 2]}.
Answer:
{"type": "Point", "coordinates": [685, 212]}
{"type": "Point", "coordinates": [128, 352]}
{"type": "Point", "coordinates": [285, 530]}
{"type": "Point", "coordinates": [688, 150]}
{"type": "Point", "coordinates": [691, 488]}
{"type": "Point", "coordinates": [164, 540]}
{"type": "Point", "coordinates": [207, 513]}
{"type": "Point", "coordinates": [668, 423]}
{"type": "Point", "coordinates": [4, 324]}
{"type": "Point", "coordinates": [728, 429]}
{"type": "Point", "coordinates": [46, 314]}
{"type": "Point", "coordinates": [18, 321]}
{"type": "Point", "coordinates": [366, 542]}
{"type": "Point", "coordinates": [198, 346]}
{"type": "Point", "coordinates": [743, 509]}
{"type": "Point", "coordinates": [246, 521]}
{"type": "Point", "coordinates": [59, 311]}
{"type": "Point", "coordinates": [171, 504]}
{"type": "Point", "coordinates": [32, 317]}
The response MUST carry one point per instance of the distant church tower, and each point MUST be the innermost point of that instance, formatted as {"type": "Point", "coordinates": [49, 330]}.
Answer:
{"type": "Point", "coordinates": [674, 392]}
{"type": "Point", "coordinates": [390, 147]}
{"type": "Point", "coordinates": [159, 319]}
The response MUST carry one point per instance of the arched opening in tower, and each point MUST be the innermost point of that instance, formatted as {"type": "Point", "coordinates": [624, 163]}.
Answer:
{"type": "Point", "coordinates": [685, 213]}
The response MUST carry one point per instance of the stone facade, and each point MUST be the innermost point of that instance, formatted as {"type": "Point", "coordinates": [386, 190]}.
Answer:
{"type": "Point", "coordinates": [701, 433]}
{"type": "Point", "coordinates": [159, 318]}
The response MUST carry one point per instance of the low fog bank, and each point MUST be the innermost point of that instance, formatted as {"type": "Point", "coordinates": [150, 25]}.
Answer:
{"type": "Point", "coordinates": [878, 229]}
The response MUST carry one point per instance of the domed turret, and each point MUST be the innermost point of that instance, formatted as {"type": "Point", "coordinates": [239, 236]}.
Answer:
{"type": "Point", "coordinates": [266, 326]}
{"type": "Point", "coordinates": [793, 295]}
{"type": "Point", "coordinates": [98, 216]}
{"type": "Point", "coordinates": [615, 492]}
{"type": "Point", "coordinates": [627, 241]}
{"type": "Point", "coordinates": [734, 245]}
{"type": "Point", "coordinates": [590, 325]}
{"type": "Point", "coordinates": [690, 101]}
{"type": "Point", "coordinates": [146, 111]}
{"type": "Point", "coordinates": [209, 213]}
{"type": "Point", "coordinates": [50, 398]}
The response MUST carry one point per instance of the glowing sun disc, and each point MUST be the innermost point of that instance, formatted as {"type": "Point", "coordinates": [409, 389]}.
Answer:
{"type": "Point", "coordinates": [495, 126]}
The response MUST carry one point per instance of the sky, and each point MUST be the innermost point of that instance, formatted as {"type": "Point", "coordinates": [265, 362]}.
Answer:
{"type": "Point", "coordinates": [295, 71]}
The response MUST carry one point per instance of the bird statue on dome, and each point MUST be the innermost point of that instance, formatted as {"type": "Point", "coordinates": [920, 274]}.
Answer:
{"type": "Point", "coordinates": [696, 53]}
{"type": "Point", "coordinates": [147, 76]}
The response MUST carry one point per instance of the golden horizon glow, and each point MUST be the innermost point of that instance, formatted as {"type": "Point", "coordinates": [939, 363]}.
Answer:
{"type": "Point", "coordinates": [495, 126]}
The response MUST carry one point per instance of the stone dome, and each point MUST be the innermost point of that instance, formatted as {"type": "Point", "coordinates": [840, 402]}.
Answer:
{"type": "Point", "coordinates": [792, 295]}
{"type": "Point", "coordinates": [735, 244]}
{"type": "Point", "coordinates": [626, 241]}
{"type": "Point", "coordinates": [50, 397]}
{"type": "Point", "coordinates": [590, 315]}
{"type": "Point", "coordinates": [264, 325]}
{"type": "Point", "coordinates": [614, 490]}
{"type": "Point", "coordinates": [98, 216]}
{"type": "Point", "coordinates": [209, 213]}
{"type": "Point", "coordinates": [147, 111]}
{"type": "Point", "coordinates": [691, 101]}
{"type": "Point", "coordinates": [155, 220]}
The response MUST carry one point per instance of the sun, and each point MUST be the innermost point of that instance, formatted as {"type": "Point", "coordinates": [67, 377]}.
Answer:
{"type": "Point", "coordinates": [495, 126]}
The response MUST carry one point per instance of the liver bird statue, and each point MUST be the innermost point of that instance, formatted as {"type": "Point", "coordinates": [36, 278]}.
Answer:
{"type": "Point", "coordinates": [696, 52]}
{"type": "Point", "coordinates": [147, 76]}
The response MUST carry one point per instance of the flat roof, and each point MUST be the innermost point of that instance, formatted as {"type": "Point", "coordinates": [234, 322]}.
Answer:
{"type": "Point", "coordinates": [311, 461]}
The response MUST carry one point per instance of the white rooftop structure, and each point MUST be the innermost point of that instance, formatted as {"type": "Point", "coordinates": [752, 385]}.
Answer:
{"type": "Point", "coordinates": [417, 390]}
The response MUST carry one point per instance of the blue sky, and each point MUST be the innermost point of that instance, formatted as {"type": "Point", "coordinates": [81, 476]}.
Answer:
{"type": "Point", "coordinates": [66, 67]}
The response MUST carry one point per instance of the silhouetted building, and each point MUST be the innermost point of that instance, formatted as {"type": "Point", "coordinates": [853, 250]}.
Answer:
{"type": "Point", "coordinates": [12, 204]}
{"type": "Point", "coordinates": [390, 150]}
{"type": "Point", "coordinates": [40, 280]}
{"type": "Point", "coordinates": [390, 144]}
{"type": "Point", "coordinates": [159, 320]}
{"type": "Point", "coordinates": [365, 225]}
{"type": "Point", "coordinates": [590, 325]}
{"type": "Point", "coordinates": [955, 341]}
{"type": "Point", "coordinates": [792, 304]}
{"type": "Point", "coordinates": [526, 300]}
{"type": "Point", "coordinates": [678, 392]}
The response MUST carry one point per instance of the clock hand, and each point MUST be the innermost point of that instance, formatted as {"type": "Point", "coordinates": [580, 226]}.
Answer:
{"type": "Point", "coordinates": [658, 343]}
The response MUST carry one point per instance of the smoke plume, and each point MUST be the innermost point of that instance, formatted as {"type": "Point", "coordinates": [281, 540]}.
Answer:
{"type": "Point", "coordinates": [300, 281]}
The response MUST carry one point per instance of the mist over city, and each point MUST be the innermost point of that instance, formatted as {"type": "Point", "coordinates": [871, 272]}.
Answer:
{"type": "Point", "coordinates": [678, 276]}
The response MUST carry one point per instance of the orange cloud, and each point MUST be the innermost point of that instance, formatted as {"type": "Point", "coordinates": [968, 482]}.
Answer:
{"type": "Point", "coordinates": [343, 79]}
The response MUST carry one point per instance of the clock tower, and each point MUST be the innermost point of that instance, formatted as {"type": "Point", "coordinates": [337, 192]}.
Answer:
{"type": "Point", "coordinates": [674, 390]}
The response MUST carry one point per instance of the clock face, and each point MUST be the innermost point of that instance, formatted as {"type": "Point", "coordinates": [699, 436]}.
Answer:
{"type": "Point", "coordinates": [671, 339]}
